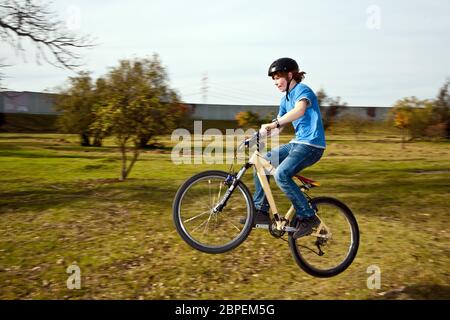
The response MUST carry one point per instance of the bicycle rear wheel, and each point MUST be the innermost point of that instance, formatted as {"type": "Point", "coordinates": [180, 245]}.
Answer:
{"type": "Point", "coordinates": [331, 248]}
{"type": "Point", "coordinates": [199, 225]}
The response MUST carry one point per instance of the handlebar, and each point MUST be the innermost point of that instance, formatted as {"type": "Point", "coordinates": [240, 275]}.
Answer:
{"type": "Point", "coordinates": [254, 139]}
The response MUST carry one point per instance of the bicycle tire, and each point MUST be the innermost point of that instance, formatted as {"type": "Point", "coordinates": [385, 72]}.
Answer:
{"type": "Point", "coordinates": [299, 254]}
{"type": "Point", "coordinates": [188, 238]}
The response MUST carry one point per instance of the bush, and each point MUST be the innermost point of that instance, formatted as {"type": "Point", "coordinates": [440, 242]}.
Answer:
{"type": "Point", "coordinates": [436, 130]}
{"type": "Point", "coordinates": [413, 115]}
{"type": "Point", "coordinates": [354, 123]}
{"type": "Point", "coordinates": [424, 118]}
{"type": "Point", "coordinates": [247, 119]}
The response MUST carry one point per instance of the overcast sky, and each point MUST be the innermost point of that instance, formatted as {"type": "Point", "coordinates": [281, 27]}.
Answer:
{"type": "Point", "coordinates": [367, 52]}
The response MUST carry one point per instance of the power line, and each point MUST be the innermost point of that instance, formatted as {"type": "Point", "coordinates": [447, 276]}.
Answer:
{"type": "Point", "coordinates": [242, 91]}
{"type": "Point", "coordinates": [224, 91]}
{"type": "Point", "coordinates": [191, 94]}
{"type": "Point", "coordinates": [251, 99]}
{"type": "Point", "coordinates": [245, 91]}
{"type": "Point", "coordinates": [235, 100]}
{"type": "Point", "coordinates": [239, 99]}
{"type": "Point", "coordinates": [220, 93]}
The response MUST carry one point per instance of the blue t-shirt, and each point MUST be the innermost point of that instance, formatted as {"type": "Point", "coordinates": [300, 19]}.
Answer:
{"type": "Point", "coordinates": [308, 128]}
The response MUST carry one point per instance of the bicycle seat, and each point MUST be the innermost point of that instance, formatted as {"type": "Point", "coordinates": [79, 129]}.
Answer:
{"type": "Point", "coordinates": [307, 181]}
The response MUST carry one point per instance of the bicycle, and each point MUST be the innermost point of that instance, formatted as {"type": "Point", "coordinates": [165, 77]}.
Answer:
{"type": "Point", "coordinates": [208, 220]}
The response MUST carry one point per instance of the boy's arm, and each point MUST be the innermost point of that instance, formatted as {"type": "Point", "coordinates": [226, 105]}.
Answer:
{"type": "Point", "coordinates": [294, 114]}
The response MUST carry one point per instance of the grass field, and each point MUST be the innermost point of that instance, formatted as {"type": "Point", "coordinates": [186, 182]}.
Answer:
{"type": "Point", "coordinates": [61, 204]}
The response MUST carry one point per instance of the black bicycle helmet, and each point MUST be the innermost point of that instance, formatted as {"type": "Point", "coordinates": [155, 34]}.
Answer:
{"type": "Point", "coordinates": [283, 65]}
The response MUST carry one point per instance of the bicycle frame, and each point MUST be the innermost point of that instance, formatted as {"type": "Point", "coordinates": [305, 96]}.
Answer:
{"type": "Point", "coordinates": [262, 166]}
{"type": "Point", "coordinates": [282, 223]}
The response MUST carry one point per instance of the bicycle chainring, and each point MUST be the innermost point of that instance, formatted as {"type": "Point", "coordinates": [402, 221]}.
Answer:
{"type": "Point", "coordinates": [274, 231]}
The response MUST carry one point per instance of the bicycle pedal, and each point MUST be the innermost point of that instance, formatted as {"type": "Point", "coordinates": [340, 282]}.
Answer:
{"type": "Point", "coordinates": [261, 226]}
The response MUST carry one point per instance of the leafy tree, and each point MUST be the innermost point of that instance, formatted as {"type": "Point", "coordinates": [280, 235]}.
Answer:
{"type": "Point", "coordinates": [268, 117]}
{"type": "Point", "coordinates": [355, 123]}
{"type": "Point", "coordinates": [100, 98]}
{"type": "Point", "coordinates": [137, 105]}
{"type": "Point", "coordinates": [442, 109]}
{"type": "Point", "coordinates": [412, 115]}
{"type": "Point", "coordinates": [334, 107]}
{"type": "Point", "coordinates": [402, 120]}
{"type": "Point", "coordinates": [424, 118]}
{"type": "Point", "coordinates": [247, 119]}
{"type": "Point", "coordinates": [76, 104]}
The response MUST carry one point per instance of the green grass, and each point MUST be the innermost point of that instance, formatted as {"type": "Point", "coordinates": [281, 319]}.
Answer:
{"type": "Point", "coordinates": [62, 204]}
{"type": "Point", "coordinates": [23, 122]}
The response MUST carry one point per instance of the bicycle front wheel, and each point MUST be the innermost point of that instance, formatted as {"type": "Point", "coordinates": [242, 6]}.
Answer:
{"type": "Point", "coordinates": [332, 247]}
{"type": "Point", "coordinates": [200, 226]}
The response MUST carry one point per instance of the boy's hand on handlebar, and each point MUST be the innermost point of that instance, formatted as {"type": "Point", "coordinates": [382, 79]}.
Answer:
{"type": "Point", "coordinates": [266, 128]}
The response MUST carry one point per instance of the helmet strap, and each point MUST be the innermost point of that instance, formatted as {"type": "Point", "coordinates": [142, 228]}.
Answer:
{"type": "Point", "coordinates": [287, 89]}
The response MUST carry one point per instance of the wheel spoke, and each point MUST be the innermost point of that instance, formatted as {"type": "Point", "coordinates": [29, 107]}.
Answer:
{"type": "Point", "coordinates": [218, 196]}
{"type": "Point", "coordinates": [210, 196]}
{"type": "Point", "coordinates": [195, 217]}
{"type": "Point", "coordinates": [227, 220]}
{"type": "Point", "coordinates": [207, 223]}
{"type": "Point", "coordinates": [197, 227]}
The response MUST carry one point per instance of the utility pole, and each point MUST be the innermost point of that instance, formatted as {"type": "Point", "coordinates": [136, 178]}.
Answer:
{"type": "Point", "coordinates": [204, 88]}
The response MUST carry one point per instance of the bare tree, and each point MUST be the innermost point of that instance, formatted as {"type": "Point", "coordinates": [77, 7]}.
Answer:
{"type": "Point", "coordinates": [35, 21]}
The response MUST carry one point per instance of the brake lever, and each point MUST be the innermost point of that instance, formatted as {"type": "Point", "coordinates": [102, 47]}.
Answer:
{"type": "Point", "coordinates": [245, 143]}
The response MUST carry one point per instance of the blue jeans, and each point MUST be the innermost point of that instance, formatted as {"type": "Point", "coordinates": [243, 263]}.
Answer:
{"type": "Point", "coordinates": [288, 159]}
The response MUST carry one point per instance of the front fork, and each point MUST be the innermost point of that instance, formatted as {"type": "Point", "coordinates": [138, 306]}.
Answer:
{"type": "Point", "coordinates": [234, 182]}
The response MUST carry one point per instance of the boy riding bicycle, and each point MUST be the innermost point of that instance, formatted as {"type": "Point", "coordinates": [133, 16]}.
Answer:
{"type": "Point", "coordinates": [207, 206]}
{"type": "Point", "coordinates": [300, 107]}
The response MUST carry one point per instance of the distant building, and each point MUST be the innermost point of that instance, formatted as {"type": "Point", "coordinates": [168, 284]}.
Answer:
{"type": "Point", "coordinates": [42, 103]}
{"type": "Point", "coordinates": [228, 112]}
{"type": "Point", "coordinates": [27, 102]}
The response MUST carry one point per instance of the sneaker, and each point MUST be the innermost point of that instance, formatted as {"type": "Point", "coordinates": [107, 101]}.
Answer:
{"type": "Point", "coordinates": [305, 226]}
{"type": "Point", "coordinates": [261, 217]}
